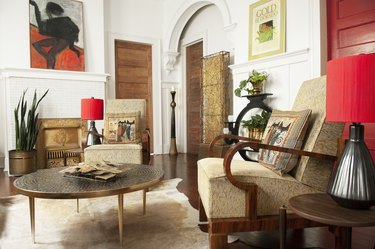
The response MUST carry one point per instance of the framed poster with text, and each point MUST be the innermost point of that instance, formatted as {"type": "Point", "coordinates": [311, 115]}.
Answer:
{"type": "Point", "coordinates": [267, 28]}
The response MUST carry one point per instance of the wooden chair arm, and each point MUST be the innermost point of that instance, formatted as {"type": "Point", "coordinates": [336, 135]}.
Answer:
{"type": "Point", "coordinates": [146, 145]}
{"type": "Point", "coordinates": [233, 150]}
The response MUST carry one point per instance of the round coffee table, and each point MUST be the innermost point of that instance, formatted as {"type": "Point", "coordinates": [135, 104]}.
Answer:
{"type": "Point", "coordinates": [52, 184]}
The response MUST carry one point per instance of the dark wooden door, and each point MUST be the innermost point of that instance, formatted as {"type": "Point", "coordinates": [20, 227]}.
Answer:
{"type": "Point", "coordinates": [351, 31]}
{"type": "Point", "coordinates": [194, 54]}
{"type": "Point", "coordinates": [134, 75]}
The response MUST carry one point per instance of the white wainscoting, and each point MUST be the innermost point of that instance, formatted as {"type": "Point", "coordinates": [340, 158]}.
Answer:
{"type": "Point", "coordinates": [286, 73]}
{"type": "Point", "coordinates": [66, 89]}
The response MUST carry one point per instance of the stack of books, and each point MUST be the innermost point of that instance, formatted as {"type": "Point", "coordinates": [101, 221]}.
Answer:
{"type": "Point", "coordinates": [102, 171]}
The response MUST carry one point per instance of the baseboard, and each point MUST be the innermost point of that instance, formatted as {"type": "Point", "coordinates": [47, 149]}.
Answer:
{"type": "Point", "coordinates": [2, 161]}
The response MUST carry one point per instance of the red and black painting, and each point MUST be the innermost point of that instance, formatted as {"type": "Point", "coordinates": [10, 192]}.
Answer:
{"type": "Point", "coordinates": [56, 35]}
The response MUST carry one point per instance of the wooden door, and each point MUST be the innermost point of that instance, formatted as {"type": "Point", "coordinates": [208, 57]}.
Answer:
{"type": "Point", "coordinates": [194, 54]}
{"type": "Point", "coordinates": [134, 75]}
{"type": "Point", "coordinates": [351, 27]}
{"type": "Point", "coordinates": [351, 31]}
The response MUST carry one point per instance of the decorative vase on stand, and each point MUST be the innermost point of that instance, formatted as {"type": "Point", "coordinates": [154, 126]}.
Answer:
{"type": "Point", "coordinates": [255, 133]}
{"type": "Point", "coordinates": [257, 87]}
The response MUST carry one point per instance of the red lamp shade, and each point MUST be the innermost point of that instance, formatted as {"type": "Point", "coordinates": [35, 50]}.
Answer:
{"type": "Point", "coordinates": [351, 89]}
{"type": "Point", "coordinates": [91, 109]}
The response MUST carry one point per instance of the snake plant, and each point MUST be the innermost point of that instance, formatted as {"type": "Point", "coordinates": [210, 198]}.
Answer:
{"type": "Point", "coordinates": [27, 128]}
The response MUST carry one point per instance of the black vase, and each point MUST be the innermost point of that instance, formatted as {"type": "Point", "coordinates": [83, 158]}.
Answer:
{"type": "Point", "coordinates": [352, 184]}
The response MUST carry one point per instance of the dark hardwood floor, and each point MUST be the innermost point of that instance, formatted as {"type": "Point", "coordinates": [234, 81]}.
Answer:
{"type": "Point", "coordinates": [184, 166]}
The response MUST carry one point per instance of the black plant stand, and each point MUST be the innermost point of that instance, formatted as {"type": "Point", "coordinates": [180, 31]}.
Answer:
{"type": "Point", "coordinates": [255, 101]}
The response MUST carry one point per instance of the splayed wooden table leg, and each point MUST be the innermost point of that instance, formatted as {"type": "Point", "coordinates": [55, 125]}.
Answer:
{"type": "Point", "coordinates": [121, 216]}
{"type": "Point", "coordinates": [32, 217]}
{"type": "Point", "coordinates": [144, 201]}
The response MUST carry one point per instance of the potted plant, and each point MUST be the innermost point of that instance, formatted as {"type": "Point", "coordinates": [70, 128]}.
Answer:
{"type": "Point", "coordinates": [253, 84]}
{"type": "Point", "coordinates": [22, 160]}
{"type": "Point", "coordinates": [257, 124]}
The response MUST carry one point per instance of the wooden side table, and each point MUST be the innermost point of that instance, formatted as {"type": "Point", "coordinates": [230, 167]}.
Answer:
{"type": "Point", "coordinates": [323, 209]}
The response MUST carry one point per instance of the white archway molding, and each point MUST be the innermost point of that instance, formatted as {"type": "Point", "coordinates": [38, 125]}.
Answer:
{"type": "Point", "coordinates": [179, 21]}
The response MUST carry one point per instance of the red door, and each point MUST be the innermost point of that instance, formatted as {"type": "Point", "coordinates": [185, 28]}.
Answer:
{"type": "Point", "coordinates": [351, 31]}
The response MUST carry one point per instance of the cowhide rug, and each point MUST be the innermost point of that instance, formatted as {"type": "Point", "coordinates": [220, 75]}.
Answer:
{"type": "Point", "coordinates": [170, 222]}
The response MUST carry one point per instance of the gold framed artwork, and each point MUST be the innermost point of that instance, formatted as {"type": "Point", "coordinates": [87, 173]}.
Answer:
{"type": "Point", "coordinates": [121, 128]}
{"type": "Point", "coordinates": [266, 28]}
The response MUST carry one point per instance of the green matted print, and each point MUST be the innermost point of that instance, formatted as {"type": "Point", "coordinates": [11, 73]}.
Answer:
{"type": "Point", "coordinates": [266, 28]}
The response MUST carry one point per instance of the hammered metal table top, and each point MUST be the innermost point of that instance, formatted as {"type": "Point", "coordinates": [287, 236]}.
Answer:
{"type": "Point", "coordinates": [52, 184]}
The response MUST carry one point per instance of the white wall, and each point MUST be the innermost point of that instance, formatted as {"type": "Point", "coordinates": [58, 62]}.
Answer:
{"type": "Point", "coordinates": [14, 26]}
{"type": "Point", "coordinates": [207, 21]}
{"type": "Point", "coordinates": [153, 21]}
{"type": "Point", "coordinates": [137, 18]}
{"type": "Point", "coordinates": [302, 59]}
{"type": "Point", "coordinates": [15, 53]}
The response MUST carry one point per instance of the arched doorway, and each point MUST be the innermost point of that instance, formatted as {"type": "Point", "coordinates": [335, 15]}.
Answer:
{"type": "Point", "coordinates": [194, 23]}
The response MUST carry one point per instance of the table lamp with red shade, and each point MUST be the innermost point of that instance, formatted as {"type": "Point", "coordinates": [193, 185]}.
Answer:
{"type": "Point", "coordinates": [92, 109]}
{"type": "Point", "coordinates": [351, 98]}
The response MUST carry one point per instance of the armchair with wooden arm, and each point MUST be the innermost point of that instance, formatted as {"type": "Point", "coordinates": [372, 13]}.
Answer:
{"type": "Point", "coordinates": [138, 152]}
{"type": "Point", "coordinates": [240, 196]}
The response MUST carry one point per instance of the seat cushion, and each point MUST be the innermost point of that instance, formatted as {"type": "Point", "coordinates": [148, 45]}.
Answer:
{"type": "Point", "coordinates": [223, 200]}
{"type": "Point", "coordinates": [321, 136]}
{"type": "Point", "coordinates": [115, 153]}
{"type": "Point", "coordinates": [284, 129]}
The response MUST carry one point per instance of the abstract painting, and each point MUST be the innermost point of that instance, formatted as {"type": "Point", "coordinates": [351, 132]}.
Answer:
{"type": "Point", "coordinates": [56, 35]}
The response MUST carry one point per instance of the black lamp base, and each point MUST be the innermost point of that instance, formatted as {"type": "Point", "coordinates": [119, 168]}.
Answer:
{"type": "Point", "coordinates": [93, 137]}
{"type": "Point", "coordinates": [352, 184]}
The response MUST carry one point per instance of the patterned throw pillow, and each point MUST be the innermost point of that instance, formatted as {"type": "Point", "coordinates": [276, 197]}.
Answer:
{"type": "Point", "coordinates": [284, 129]}
{"type": "Point", "coordinates": [122, 128]}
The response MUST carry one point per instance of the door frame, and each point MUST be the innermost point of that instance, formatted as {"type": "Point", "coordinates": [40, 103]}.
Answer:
{"type": "Point", "coordinates": [156, 80]}
{"type": "Point", "coordinates": [187, 41]}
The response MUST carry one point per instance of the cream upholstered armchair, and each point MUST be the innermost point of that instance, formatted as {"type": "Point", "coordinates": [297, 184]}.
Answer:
{"type": "Point", "coordinates": [136, 151]}
{"type": "Point", "coordinates": [240, 196]}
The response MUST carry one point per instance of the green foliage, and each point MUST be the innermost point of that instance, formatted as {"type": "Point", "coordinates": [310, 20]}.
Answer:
{"type": "Point", "coordinates": [27, 129]}
{"type": "Point", "coordinates": [257, 121]}
{"type": "Point", "coordinates": [265, 36]}
{"type": "Point", "coordinates": [254, 77]}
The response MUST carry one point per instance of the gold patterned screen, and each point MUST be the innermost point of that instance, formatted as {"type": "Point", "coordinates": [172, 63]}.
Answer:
{"type": "Point", "coordinates": [215, 95]}
{"type": "Point", "coordinates": [55, 137]}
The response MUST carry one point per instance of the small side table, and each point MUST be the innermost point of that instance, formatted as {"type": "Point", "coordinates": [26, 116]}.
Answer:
{"type": "Point", "coordinates": [323, 209]}
{"type": "Point", "coordinates": [76, 152]}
